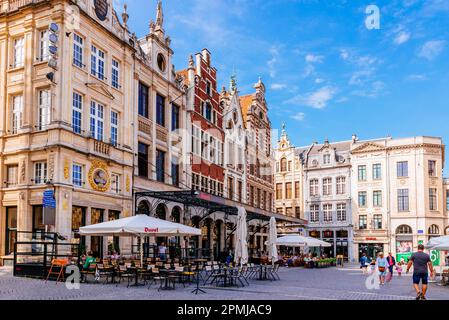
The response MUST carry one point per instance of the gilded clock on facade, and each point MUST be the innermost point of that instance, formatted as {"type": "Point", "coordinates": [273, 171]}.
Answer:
{"type": "Point", "coordinates": [101, 9]}
{"type": "Point", "coordinates": [98, 176]}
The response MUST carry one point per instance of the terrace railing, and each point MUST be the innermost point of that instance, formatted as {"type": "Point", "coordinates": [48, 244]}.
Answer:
{"type": "Point", "coordinates": [14, 5]}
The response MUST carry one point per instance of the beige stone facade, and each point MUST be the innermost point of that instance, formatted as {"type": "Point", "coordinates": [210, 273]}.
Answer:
{"type": "Point", "coordinates": [397, 192]}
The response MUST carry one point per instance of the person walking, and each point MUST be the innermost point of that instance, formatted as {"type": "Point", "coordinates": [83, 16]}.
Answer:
{"type": "Point", "coordinates": [382, 265]}
{"type": "Point", "coordinates": [364, 263]}
{"type": "Point", "coordinates": [391, 264]}
{"type": "Point", "coordinates": [421, 264]}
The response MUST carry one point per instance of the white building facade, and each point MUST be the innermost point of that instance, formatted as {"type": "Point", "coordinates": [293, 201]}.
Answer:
{"type": "Point", "coordinates": [397, 192]}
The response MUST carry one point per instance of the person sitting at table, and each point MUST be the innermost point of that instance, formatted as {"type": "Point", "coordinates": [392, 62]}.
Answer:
{"type": "Point", "coordinates": [115, 256]}
{"type": "Point", "coordinates": [229, 258]}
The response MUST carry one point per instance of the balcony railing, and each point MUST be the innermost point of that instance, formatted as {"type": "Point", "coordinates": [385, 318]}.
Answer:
{"type": "Point", "coordinates": [13, 5]}
{"type": "Point", "coordinates": [101, 147]}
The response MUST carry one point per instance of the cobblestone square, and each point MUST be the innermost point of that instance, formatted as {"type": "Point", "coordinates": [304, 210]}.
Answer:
{"type": "Point", "coordinates": [346, 283]}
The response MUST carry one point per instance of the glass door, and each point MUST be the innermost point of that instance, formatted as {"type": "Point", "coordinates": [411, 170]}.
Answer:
{"type": "Point", "coordinates": [11, 229]}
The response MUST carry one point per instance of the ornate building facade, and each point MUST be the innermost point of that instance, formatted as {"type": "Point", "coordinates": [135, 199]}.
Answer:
{"type": "Point", "coordinates": [64, 124]}
{"type": "Point", "coordinates": [260, 157]}
{"type": "Point", "coordinates": [288, 179]}
{"type": "Point", "coordinates": [327, 195]}
{"type": "Point", "coordinates": [398, 197]}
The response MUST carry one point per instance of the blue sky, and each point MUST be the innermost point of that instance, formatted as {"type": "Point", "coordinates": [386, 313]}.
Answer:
{"type": "Point", "coordinates": [327, 75]}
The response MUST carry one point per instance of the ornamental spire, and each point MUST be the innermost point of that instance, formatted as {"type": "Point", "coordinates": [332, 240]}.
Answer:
{"type": "Point", "coordinates": [159, 15]}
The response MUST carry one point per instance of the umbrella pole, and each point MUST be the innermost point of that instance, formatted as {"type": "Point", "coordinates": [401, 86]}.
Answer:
{"type": "Point", "coordinates": [141, 252]}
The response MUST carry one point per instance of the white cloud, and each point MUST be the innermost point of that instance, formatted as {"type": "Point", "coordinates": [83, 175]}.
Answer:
{"type": "Point", "coordinates": [317, 99]}
{"type": "Point", "coordinates": [402, 37]}
{"type": "Point", "coordinates": [272, 62]}
{"type": "Point", "coordinates": [319, 80]}
{"type": "Point", "coordinates": [431, 49]}
{"type": "Point", "coordinates": [299, 116]}
{"type": "Point", "coordinates": [311, 58]}
{"type": "Point", "coordinates": [416, 77]}
{"type": "Point", "coordinates": [373, 91]}
{"type": "Point", "coordinates": [344, 54]}
{"type": "Point", "coordinates": [278, 86]}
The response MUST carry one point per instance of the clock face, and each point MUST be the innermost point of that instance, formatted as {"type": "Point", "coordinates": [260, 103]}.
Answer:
{"type": "Point", "coordinates": [101, 9]}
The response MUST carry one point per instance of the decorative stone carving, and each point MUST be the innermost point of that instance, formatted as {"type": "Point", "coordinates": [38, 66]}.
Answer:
{"type": "Point", "coordinates": [128, 184]}
{"type": "Point", "coordinates": [22, 171]}
{"type": "Point", "coordinates": [98, 176]}
{"type": "Point", "coordinates": [51, 167]}
{"type": "Point", "coordinates": [66, 169]}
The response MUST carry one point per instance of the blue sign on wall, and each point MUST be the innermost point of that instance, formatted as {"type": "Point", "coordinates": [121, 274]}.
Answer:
{"type": "Point", "coordinates": [49, 199]}
{"type": "Point", "coordinates": [420, 231]}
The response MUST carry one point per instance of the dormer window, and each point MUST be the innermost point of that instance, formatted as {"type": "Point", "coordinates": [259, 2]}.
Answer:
{"type": "Point", "coordinates": [326, 159]}
{"type": "Point", "coordinates": [161, 62]}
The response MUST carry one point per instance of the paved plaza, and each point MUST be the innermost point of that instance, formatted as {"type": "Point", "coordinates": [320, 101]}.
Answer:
{"type": "Point", "coordinates": [296, 284]}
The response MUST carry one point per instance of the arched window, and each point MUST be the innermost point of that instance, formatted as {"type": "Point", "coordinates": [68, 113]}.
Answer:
{"type": "Point", "coordinates": [176, 214]}
{"type": "Point", "coordinates": [404, 229]}
{"type": "Point", "coordinates": [143, 208]}
{"type": "Point", "coordinates": [160, 212]}
{"type": "Point", "coordinates": [433, 229]}
{"type": "Point", "coordinates": [446, 231]}
{"type": "Point", "coordinates": [283, 164]}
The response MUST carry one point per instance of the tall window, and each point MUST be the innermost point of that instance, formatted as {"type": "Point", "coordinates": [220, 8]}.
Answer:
{"type": "Point", "coordinates": [19, 53]}
{"type": "Point", "coordinates": [377, 221]}
{"type": "Point", "coordinates": [40, 172]}
{"type": "Point", "coordinates": [341, 212]}
{"type": "Point", "coordinates": [115, 74]}
{"type": "Point", "coordinates": [160, 166]}
{"type": "Point", "coordinates": [447, 200]}
{"type": "Point", "coordinates": [114, 128]}
{"type": "Point", "coordinates": [279, 191]}
{"type": "Point", "coordinates": [362, 199]}
{"type": "Point", "coordinates": [97, 62]}
{"type": "Point", "coordinates": [196, 140]}
{"type": "Point", "coordinates": [326, 159]}
{"type": "Point", "coordinates": [12, 175]}
{"type": "Point", "coordinates": [288, 190]}
{"type": "Point", "coordinates": [432, 168]}
{"type": "Point", "coordinates": [77, 112]}
{"type": "Point", "coordinates": [363, 222]}
{"type": "Point", "coordinates": [207, 111]}
{"type": "Point", "coordinates": [175, 171]}
{"type": "Point", "coordinates": [44, 104]}
{"type": "Point", "coordinates": [283, 164]}
{"type": "Point", "coordinates": [160, 110]}
{"type": "Point", "coordinates": [96, 120]}
{"type": "Point", "coordinates": [43, 46]}
{"type": "Point", "coordinates": [143, 100]}
{"type": "Point", "coordinates": [78, 49]}
{"type": "Point", "coordinates": [433, 199]}
{"type": "Point", "coordinates": [403, 202]}
{"type": "Point", "coordinates": [377, 198]}
{"type": "Point", "coordinates": [143, 160]}
{"type": "Point", "coordinates": [314, 187]}
{"type": "Point", "coordinates": [362, 173]}
{"type": "Point", "coordinates": [17, 111]}
{"type": "Point", "coordinates": [208, 88]}
{"type": "Point", "coordinates": [327, 186]}
{"type": "Point", "coordinates": [341, 185]}
{"type": "Point", "coordinates": [77, 175]}
{"type": "Point", "coordinates": [327, 212]}
{"type": "Point", "coordinates": [314, 213]}
{"type": "Point", "coordinates": [115, 183]}
{"type": "Point", "coordinates": [377, 171]}
{"type": "Point", "coordinates": [402, 169]}
{"type": "Point", "coordinates": [174, 117]}
{"type": "Point", "coordinates": [297, 190]}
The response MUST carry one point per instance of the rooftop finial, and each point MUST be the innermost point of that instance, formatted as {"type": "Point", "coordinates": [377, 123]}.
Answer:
{"type": "Point", "coordinates": [159, 15]}
{"type": "Point", "coordinates": [125, 15]}
{"type": "Point", "coordinates": [191, 62]}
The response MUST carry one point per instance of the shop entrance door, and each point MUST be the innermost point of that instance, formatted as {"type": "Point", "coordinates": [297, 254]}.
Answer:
{"type": "Point", "coordinates": [371, 249]}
